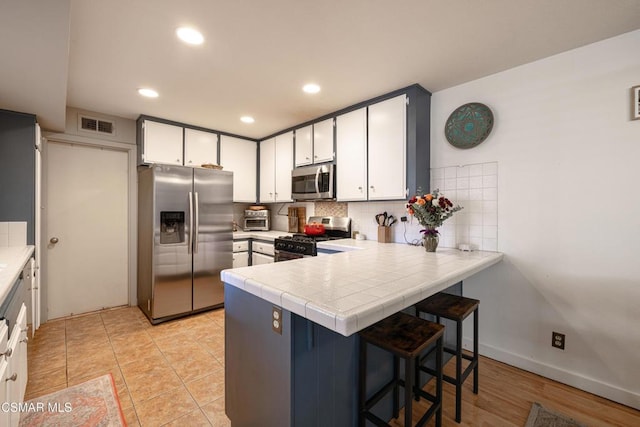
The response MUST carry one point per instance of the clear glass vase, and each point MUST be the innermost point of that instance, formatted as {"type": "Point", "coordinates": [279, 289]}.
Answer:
{"type": "Point", "coordinates": [430, 240]}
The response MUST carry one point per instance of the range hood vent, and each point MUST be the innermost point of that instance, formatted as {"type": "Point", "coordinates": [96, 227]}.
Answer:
{"type": "Point", "coordinates": [95, 125]}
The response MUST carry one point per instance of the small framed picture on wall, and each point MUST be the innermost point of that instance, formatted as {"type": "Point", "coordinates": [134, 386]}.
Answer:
{"type": "Point", "coordinates": [635, 106]}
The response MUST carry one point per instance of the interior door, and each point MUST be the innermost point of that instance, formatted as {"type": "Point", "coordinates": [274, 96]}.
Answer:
{"type": "Point", "coordinates": [87, 228]}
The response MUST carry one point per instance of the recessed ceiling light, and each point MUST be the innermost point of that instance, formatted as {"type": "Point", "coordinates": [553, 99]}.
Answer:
{"type": "Point", "coordinates": [149, 93]}
{"type": "Point", "coordinates": [311, 88]}
{"type": "Point", "coordinates": [247, 119]}
{"type": "Point", "coordinates": [190, 35]}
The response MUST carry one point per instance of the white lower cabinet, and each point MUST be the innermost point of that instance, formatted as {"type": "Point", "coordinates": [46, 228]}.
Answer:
{"type": "Point", "coordinates": [240, 253]}
{"type": "Point", "coordinates": [5, 416]}
{"type": "Point", "coordinates": [15, 372]}
{"type": "Point", "coordinates": [240, 259]}
{"type": "Point", "coordinates": [262, 252]}
{"type": "Point", "coordinates": [257, 259]}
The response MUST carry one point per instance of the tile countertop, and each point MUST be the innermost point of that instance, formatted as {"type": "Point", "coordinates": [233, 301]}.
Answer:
{"type": "Point", "coordinates": [262, 235]}
{"type": "Point", "coordinates": [12, 260]}
{"type": "Point", "coordinates": [364, 283]}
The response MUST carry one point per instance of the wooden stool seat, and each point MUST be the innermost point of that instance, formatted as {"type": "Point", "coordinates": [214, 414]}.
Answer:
{"type": "Point", "coordinates": [448, 306]}
{"type": "Point", "coordinates": [455, 308]}
{"type": "Point", "coordinates": [402, 334]}
{"type": "Point", "coordinates": [405, 337]}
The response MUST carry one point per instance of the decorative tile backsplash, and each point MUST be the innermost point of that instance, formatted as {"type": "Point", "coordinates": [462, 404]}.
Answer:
{"type": "Point", "coordinates": [331, 209]}
{"type": "Point", "coordinates": [13, 234]}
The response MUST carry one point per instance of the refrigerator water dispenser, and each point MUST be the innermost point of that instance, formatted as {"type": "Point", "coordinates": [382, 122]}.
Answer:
{"type": "Point", "coordinates": [171, 227]}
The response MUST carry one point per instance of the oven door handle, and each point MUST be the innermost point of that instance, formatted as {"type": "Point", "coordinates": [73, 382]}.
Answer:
{"type": "Point", "coordinates": [318, 180]}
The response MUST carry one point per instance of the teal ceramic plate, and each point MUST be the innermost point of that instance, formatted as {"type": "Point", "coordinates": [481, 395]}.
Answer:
{"type": "Point", "coordinates": [469, 125]}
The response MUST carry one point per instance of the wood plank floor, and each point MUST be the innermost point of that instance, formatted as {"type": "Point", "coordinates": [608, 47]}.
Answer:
{"type": "Point", "coordinates": [162, 382]}
{"type": "Point", "coordinates": [506, 394]}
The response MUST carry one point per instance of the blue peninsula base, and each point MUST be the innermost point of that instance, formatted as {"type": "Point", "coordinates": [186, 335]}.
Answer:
{"type": "Point", "coordinates": [306, 376]}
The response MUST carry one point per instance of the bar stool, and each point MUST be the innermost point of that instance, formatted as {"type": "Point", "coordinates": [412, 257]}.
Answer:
{"type": "Point", "coordinates": [404, 336]}
{"type": "Point", "coordinates": [456, 308]}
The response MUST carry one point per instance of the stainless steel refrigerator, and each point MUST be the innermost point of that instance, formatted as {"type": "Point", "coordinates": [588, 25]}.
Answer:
{"type": "Point", "coordinates": [185, 219]}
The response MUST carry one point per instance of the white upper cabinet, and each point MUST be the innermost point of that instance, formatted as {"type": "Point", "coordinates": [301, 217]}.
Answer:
{"type": "Point", "coordinates": [162, 143]}
{"type": "Point", "coordinates": [276, 162]}
{"type": "Point", "coordinates": [323, 141]}
{"type": "Point", "coordinates": [268, 170]}
{"type": "Point", "coordinates": [304, 146]}
{"type": "Point", "coordinates": [314, 143]}
{"type": "Point", "coordinates": [200, 147]}
{"type": "Point", "coordinates": [351, 148]}
{"type": "Point", "coordinates": [284, 164]}
{"type": "Point", "coordinates": [387, 149]}
{"type": "Point", "coordinates": [240, 157]}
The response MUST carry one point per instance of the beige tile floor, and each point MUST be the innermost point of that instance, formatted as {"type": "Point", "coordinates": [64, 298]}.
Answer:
{"type": "Point", "coordinates": [170, 374]}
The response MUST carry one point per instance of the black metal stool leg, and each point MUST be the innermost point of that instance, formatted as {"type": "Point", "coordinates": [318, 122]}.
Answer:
{"type": "Point", "coordinates": [396, 388]}
{"type": "Point", "coordinates": [458, 371]}
{"type": "Point", "coordinates": [362, 383]}
{"type": "Point", "coordinates": [476, 357]}
{"type": "Point", "coordinates": [439, 382]}
{"type": "Point", "coordinates": [408, 391]}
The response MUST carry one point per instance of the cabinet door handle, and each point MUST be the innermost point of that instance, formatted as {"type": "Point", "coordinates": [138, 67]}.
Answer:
{"type": "Point", "coordinates": [178, 160]}
{"type": "Point", "coordinates": [7, 353]}
{"type": "Point", "coordinates": [12, 377]}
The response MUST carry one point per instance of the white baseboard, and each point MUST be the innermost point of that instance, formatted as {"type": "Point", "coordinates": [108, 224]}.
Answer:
{"type": "Point", "coordinates": [608, 391]}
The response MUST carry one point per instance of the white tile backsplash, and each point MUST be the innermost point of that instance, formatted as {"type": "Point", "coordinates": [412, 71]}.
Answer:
{"type": "Point", "coordinates": [13, 233]}
{"type": "Point", "coordinates": [476, 190]}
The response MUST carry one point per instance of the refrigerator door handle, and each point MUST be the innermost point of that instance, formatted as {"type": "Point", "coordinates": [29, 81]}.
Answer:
{"type": "Point", "coordinates": [190, 245]}
{"type": "Point", "coordinates": [197, 224]}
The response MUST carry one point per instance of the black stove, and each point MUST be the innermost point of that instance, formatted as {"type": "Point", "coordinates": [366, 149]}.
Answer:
{"type": "Point", "coordinates": [301, 245]}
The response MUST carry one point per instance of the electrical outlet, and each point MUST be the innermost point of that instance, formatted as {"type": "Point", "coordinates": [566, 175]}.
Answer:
{"type": "Point", "coordinates": [557, 340]}
{"type": "Point", "coordinates": [403, 218]}
{"type": "Point", "coordinates": [276, 320]}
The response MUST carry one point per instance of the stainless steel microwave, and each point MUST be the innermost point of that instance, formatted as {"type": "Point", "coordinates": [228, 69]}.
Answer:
{"type": "Point", "coordinates": [315, 182]}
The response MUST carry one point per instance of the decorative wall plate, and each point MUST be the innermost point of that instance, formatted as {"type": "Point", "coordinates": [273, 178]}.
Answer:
{"type": "Point", "coordinates": [469, 125]}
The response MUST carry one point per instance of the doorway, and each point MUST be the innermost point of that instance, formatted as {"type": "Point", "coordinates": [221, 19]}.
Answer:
{"type": "Point", "coordinates": [87, 228]}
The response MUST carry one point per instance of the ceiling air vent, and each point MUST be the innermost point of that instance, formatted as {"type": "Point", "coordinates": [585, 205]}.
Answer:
{"type": "Point", "coordinates": [94, 125]}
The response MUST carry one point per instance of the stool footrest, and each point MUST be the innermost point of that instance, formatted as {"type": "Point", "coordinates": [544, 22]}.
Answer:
{"type": "Point", "coordinates": [379, 395]}
{"type": "Point", "coordinates": [374, 419]}
{"type": "Point", "coordinates": [449, 379]}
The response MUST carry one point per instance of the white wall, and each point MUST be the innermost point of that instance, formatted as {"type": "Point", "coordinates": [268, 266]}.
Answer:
{"type": "Point", "coordinates": [569, 157]}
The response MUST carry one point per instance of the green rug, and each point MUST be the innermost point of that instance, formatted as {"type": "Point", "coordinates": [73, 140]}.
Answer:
{"type": "Point", "coordinates": [543, 417]}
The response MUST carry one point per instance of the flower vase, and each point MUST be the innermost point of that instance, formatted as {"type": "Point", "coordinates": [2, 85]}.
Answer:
{"type": "Point", "coordinates": [430, 239]}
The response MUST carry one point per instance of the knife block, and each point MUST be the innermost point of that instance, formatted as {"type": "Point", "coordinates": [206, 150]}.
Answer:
{"type": "Point", "coordinates": [384, 234]}
{"type": "Point", "coordinates": [302, 218]}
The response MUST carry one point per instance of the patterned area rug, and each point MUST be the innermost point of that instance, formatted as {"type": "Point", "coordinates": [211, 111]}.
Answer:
{"type": "Point", "coordinates": [543, 417]}
{"type": "Point", "coordinates": [93, 403]}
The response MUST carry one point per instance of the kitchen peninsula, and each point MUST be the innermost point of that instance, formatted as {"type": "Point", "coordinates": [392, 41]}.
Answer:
{"type": "Point", "coordinates": [291, 327]}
